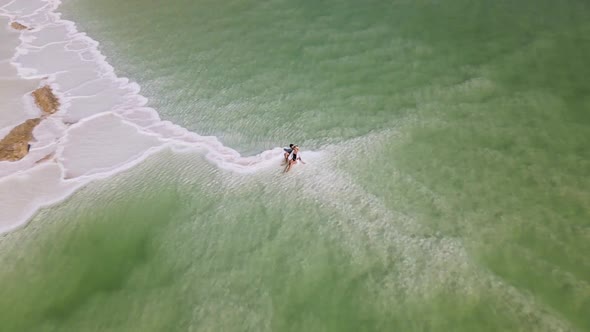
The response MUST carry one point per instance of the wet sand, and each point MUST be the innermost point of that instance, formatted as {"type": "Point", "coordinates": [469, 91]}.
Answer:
{"type": "Point", "coordinates": [18, 26]}
{"type": "Point", "coordinates": [15, 145]}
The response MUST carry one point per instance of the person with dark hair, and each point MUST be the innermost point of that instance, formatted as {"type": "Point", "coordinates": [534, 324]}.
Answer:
{"type": "Point", "coordinates": [295, 155]}
{"type": "Point", "coordinates": [288, 152]}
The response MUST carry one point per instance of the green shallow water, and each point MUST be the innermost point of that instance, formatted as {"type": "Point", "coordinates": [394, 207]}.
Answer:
{"type": "Point", "coordinates": [451, 191]}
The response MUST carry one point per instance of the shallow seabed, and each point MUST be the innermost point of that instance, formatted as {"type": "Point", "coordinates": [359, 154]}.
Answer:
{"type": "Point", "coordinates": [446, 188]}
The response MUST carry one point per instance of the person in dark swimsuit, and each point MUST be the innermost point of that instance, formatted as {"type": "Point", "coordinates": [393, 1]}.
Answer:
{"type": "Point", "coordinates": [288, 152]}
{"type": "Point", "coordinates": [295, 156]}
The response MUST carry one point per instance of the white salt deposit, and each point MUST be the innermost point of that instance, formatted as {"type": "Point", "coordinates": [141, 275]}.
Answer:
{"type": "Point", "coordinates": [102, 127]}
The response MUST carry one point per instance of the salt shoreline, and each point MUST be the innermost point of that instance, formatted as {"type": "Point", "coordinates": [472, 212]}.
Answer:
{"type": "Point", "coordinates": [98, 125]}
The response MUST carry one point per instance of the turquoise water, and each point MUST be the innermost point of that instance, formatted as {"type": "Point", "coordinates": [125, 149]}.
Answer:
{"type": "Point", "coordinates": [451, 193]}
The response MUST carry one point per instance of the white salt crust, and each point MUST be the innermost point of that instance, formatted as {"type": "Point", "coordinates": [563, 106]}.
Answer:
{"type": "Point", "coordinates": [102, 127]}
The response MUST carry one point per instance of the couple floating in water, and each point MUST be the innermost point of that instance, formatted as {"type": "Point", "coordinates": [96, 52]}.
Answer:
{"type": "Point", "coordinates": [292, 156]}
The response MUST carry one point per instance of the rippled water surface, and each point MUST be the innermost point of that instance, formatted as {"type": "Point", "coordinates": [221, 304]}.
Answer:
{"type": "Point", "coordinates": [448, 189]}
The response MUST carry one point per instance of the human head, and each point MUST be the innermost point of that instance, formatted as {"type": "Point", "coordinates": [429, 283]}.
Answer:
{"type": "Point", "coordinates": [291, 145]}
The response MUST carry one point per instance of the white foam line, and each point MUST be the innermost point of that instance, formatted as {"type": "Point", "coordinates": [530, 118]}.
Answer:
{"type": "Point", "coordinates": [79, 159]}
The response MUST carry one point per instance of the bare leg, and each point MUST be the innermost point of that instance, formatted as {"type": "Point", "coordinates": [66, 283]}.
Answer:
{"type": "Point", "coordinates": [291, 163]}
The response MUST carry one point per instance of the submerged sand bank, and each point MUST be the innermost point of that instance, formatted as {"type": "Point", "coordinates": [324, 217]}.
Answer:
{"type": "Point", "coordinates": [15, 145]}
